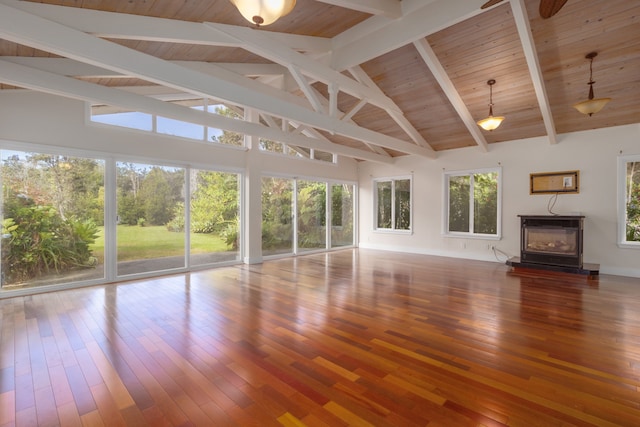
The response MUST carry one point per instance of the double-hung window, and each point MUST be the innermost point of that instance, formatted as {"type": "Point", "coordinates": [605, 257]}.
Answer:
{"type": "Point", "coordinates": [472, 203]}
{"type": "Point", "coordinates": [629, 201]}
{"type": "Point", "coordinates": [393, 204]}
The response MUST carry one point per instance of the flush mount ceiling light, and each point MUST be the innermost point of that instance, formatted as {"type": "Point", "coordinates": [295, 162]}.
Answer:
{"type": "Point", "coordinates": [591, 105]}
{"type": "Point", "coordinates": [491, 122]}
{"type": "Point", "coordinates": [263, 12]}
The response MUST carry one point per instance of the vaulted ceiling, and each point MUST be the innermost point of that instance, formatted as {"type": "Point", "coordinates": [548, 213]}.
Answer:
{"type": "Point", "coordinates": [368, 79]}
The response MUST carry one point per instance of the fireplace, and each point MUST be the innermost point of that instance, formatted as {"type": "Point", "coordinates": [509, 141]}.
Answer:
{"type": "Point", "coordinates": [551, 239]}
{"type": "Point", "coordinates": [554, 243]}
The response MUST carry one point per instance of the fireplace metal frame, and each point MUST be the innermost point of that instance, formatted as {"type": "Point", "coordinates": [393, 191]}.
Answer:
{"type": "Point", "coordinates": [572, 223]}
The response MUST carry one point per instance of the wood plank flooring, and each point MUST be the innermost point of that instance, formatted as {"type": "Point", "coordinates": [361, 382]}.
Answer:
{"type": "Point", "coordinates": [348, 338]}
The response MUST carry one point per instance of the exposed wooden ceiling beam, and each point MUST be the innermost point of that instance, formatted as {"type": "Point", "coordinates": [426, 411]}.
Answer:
{"type": "Point", "coordinates": [397, 115]}
{"type": "Point", "coordinates": [46, 35]}
{"type": "Point", "coordinates": [429, 57]}
{"type": "Point", "coordinates": [262, 44]}
{"type": "Point", "coordinates": [70, 67]}
{"type": "Point", "coordinates": [389, 8]}
{"type": "Point", "coordinates": [529, 47]}
{"type": "Point", "coordinates": [375, 37]}
{"type": "Point", "coordinates": [136, 27]}
{"type": "Point", "coordinates": [31, 78]}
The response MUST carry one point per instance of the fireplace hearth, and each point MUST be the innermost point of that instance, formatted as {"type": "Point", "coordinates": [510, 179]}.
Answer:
{"type": "Point", "coordinates": [552, 242]}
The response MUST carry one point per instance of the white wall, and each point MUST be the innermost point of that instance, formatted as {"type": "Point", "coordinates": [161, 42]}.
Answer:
{"type": "Point", "coordinates": [593, 153]}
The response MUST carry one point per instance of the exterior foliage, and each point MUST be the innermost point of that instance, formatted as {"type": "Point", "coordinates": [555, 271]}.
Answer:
{"type": "Point", "coordinates": [277, 227]}
{"type": "Point", "coordinates": [479, 191]}
{"type": "Point", "coordinates": [393, 201]}
{"type": "Point", "coordinates": [52, 206]}
{"type": "Point", "coordinates": [633, 202]}
{"type": "Point", "coordinates": [36, 240]}
{"type": "Point", "coordinates": [228, 137]}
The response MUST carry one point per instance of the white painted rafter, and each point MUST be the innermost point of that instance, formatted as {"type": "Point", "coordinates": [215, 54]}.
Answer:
{"type": "Point", "coordinates": [529, 48]}
{"type": "Point", "coordinates": [375, 36]}
{"type": "Point", "coordinates": [431, 60]}
{"type": "Point", "coordinates": [349, 114]}
{"type": "Point", "coordinates": [70, 67]}
{"type": "Point", "coordinates": [327, 104]}
{"type": "Point", "coordinates": [306, 88]}
{"type": "Point", "coordinates": [396, 114]}
{"type": "Point", "coordinates": [261, 43]}
{"type": "Point", "coordinates": [389, 8]}
{"type": "Point", "coordinates": [137, 27]}
{"type": "Point", "coordinates": [33, 31]}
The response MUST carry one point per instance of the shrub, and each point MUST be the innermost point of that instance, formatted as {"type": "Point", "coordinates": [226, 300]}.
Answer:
{"type": "Point", "coordinates": [37, 240]}
{"type": "Point", "coordinates": [230, 234]}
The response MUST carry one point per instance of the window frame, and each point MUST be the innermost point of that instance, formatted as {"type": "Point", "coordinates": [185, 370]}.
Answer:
{"type": "Point", "coordinates": [392, 180]}
{"type": "Point", "coordinates": [446, 199]}
{"type": "Point", "coordinates": [621, 202]}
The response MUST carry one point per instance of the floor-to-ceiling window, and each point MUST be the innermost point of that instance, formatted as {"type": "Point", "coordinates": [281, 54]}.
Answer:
{"type": "Point", "coordinates": [52, 218]}
{"type": "Point", "coordinates": [311, 206]}
{"type": "Point", "coordinates": [319, 206]}
{"type": "Point", "coordinates": [277, 216]}
{"type": "Point", "coordinates": [215, 217]}
{"type": "Point", "coordinates": [342, 214]}
{"type": "Point", "coordinates": [148, 204]}
{"type": "Point", "coordinates": [74, 217]}
{"type": "Point", "coordinates": [57, 229]}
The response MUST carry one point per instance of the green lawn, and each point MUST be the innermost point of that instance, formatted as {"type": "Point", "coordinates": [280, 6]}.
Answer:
{"type": "Point", "coordinates": [136, 242]}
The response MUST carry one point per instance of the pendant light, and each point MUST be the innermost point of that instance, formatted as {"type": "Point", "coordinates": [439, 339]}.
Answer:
{"type": "Point", "coordinates": [491, 122]}
{"type": "Point", "coordinates": [591, 105]}
{"type": "Point", "coordinates": [263, 12]}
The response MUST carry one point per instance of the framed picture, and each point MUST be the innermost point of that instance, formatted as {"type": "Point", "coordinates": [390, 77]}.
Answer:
{"type": "Point", "coordinates": [555, 182]}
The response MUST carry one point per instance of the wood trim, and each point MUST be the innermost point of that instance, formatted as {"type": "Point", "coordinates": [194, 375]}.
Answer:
{"type": "Point", "coordinates": [554, 182]}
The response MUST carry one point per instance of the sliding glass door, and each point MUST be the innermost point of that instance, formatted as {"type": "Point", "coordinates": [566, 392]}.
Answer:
{"type": "Point", "coordinates": [317, 205]}
{"type": "Point", "coordinates": [150, 232]}
{"type": "Point", "coordinates": [215, 217]}
{"type": "Point", "coordinates": [311, 206]}
{"type": "Point", "coordinates": [277, 216]}
{"type": "Point", "coordinates": [342, 212]}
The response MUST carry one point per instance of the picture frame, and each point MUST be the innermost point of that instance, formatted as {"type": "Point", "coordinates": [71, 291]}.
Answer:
{"type": "Point", "coordinates": [554, 182]}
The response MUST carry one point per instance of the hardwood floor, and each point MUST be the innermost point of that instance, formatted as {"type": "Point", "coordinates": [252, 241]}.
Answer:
{"type": "Point", "coordinates": [349, 338]}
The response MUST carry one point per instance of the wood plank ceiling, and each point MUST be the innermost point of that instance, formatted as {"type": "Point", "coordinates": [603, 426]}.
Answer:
{"type": "Point", "coordinates": [369, 80]}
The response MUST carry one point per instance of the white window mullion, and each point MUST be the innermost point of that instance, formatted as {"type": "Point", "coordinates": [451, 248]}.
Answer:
{"type": "Point", "coordinates": [471, 203]}
{"type": "Point", "coordinates": [294, 215]}
{"type": "Point", "coordinates": [110, 220]}
{"type": "Point", "coordinates": [187, 218]}
{"type": "Point", "coordinates": [328, 215]}
{"type": "Point", "coordinates": [393, 204]}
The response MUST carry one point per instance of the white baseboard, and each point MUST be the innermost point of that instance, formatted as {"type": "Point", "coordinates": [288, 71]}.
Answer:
{"type": "Point", "coordinates": [615, 271]}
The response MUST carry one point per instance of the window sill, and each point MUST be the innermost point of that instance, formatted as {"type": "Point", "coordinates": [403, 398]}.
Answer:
{"type": "Point", "coordinates": [390, 231]}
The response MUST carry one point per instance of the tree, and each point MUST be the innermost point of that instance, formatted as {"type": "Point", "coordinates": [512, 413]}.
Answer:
{"type": "Point", "coordinates": [129, 177]}
{"type": "Point", "coordinates": [214, 201]}
{"type": "Point", "coordinates": [485, 198]}
{"type": "Point", "coordinates": [312, 216]}
{"type": "Point", "coordinates": [228, 137]}
{"type": "Point", "coordinates": [277, 200]}
{"type": "Point", "coordinates": [633, 202]}
{"type": "Point", "coordinates": [74, 186]}
{"type": "Point", "coordinates": [160, 190]}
